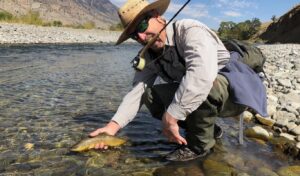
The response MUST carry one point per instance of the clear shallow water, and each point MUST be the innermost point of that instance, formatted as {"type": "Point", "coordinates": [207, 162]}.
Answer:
{"type": "Point", "coordinates": [53, 96]}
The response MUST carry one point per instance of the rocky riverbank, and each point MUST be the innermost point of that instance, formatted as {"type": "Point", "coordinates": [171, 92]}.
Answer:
{"type": "Point", "coordinates": [283, 71]}
{"type": "Point", "coordinates": [30, 34]}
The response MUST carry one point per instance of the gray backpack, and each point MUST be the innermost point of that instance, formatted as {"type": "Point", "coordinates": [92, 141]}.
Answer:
{"type": "Point", "coordinates": [251, 55]}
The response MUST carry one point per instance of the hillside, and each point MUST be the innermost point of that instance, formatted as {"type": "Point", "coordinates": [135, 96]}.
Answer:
{"type": "Point", "coordinates": [285, 29]}
{"type": "Point", "coordinates": [70, 12]}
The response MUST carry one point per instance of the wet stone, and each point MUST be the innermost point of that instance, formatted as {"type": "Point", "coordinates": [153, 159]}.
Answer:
{"type": "Point", "coordinates": [234, 160]}
{"type": "Point", "coordinates": [265, 120]}
{"type": "Point", "coordinates": [7, 158]}
{"type": "Point", "coordinates": [257, 132]}
{"type": "Point", "coordinates": [242, 174]}
{"type": "Point", "coordinates": [21, 167]}
{"type": "Point", "coordinates": [263, 171]}
{"type": "Point", "coordinates": [298, 145]}
{"type": "Point", "coordinates": [179, 170]}
{"type": "Point", "coordinates": [288, 136]}
{"type": "Point", "coordinates": [213, 168]}
{"type": "Point", "coordinates": [298, 138]}
{"type": "Point", "coordinates": [248, 116]}
{"type": "Point", "coordinates": [289, 171]}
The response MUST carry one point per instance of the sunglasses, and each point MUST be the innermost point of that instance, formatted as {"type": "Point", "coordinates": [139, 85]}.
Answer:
{"type": "Point", "coordinates": [140, 28]}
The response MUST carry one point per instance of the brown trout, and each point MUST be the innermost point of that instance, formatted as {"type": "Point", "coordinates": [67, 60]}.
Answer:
{"type": "Point", "coordinates": [89, 143]}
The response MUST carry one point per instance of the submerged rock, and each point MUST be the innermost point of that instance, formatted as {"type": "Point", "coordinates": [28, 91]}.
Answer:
{"type": "Point", "coordinates": [183, 170]}
{"type": "Point", "coordinates": [287, 136]}
{"type": "Point", "coordinates": [263, 171]}
{"type": "Point", "coordinates": [248, 116]}
{"type": "Point", "coordinates": [213, 168]}
{"type": "Point", "coordinates": [257, 132]}
{"type": "Point", "coordinates": [289, 171]}
{"type": "Point", "coordinates": [265, 120]}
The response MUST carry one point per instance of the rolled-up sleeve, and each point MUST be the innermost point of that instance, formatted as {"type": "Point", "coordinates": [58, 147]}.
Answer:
{"type": "Point", "coordinates": [200, 53]}
{"type": "Point", "coordinates": [132, 101]}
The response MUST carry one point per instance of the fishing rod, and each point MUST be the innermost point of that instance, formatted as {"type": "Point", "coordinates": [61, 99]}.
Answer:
{"type": "Point", "coordinates": [139, 61]}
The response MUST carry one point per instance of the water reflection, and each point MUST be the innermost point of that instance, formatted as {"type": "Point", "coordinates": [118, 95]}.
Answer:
{"type": "Point", "coordinates": [52, 96]}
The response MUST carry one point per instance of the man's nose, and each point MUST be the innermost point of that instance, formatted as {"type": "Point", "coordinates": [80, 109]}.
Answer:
{"type": "Point", "coordinates": [142, 36]}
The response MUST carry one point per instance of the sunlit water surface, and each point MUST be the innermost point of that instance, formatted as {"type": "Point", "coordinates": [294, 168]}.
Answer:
{"type": "Point", "coordinates": [53, 96]}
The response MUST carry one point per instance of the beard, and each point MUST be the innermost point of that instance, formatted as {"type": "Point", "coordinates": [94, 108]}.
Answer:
{"type": "Point", "coordinates": [157, 44]}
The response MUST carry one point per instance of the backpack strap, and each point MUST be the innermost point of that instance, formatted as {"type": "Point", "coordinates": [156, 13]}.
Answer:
{"type": "Point", "coordinates": [181, 60]}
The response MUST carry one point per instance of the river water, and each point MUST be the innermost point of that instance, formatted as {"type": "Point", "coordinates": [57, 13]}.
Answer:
{"type": "Point", "coordinates": [51, 96]}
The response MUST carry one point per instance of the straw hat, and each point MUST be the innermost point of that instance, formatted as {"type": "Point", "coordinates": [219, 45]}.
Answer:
{"type": "Point", "coordinates": [133, 10]}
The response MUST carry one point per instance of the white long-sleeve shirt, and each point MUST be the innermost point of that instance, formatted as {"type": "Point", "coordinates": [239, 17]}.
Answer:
{"type": "Point", "coordinates": [204, 55]}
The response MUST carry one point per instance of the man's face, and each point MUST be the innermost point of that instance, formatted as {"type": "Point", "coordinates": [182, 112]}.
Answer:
{"type": "Point", "coordinates": [147, 29]}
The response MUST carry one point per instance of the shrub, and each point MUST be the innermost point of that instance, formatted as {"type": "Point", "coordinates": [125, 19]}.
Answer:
{"type": "Point", "coordinates": [241, 31]}
{"type": "Point", "coordinates": [89, 25]}
{"type": "Point", "coordinates": [31, 18]}
{"type": "Point", "coordinates": [117, 27]}
{"type": "Point", "coordinates": [57, 23]}
{"type": "Point", "coordinates": [5, 16]}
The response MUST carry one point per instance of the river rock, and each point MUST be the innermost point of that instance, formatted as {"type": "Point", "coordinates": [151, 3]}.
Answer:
{"type": "Point", "coordinates": [265, 120]}
{"type": "Point", "coordinates": [291, 126]}
{"type": "Point", "coordinates": [283, 118]}
{"type": "Point", "coordinates": [272, 100]}
{"type": "Point", "coordinates": [263, 171]}
{"type": "Point", "coordinates": [248, 116]}
{"type": "Point", "coordinates": [289, 171]}
{"type": "Point", "coordinates": [298, 138]}
{"type": "Point", "coordinates": [288, 136]}
{"type": "Point", "coordinates": [296, 130]}
{"type": "Point", "coordinates": [285, 82]}
{"type": "Point", "coordinates": [271, 109]}
{"type": "Point", "coordinates": [292, 98]}
{"type": "Point", "coordinates": [179, 170]}
{"type": "Point", "coordinates": [298, 145]}
{"type": "Point", "coordinates": [257, 132]}
{"type": "Point", "coordinates": [242, 174]}
{"type": "Point", "coordinates": [213, 168]}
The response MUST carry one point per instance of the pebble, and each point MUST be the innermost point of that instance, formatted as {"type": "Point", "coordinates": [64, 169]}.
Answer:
{"type": "Point", "coordinates": [287, 136]}
{"type": "Point", "coordinates": [265, 120]}
{"type": "Point", "coordinates": [248, 116]}
{"type": "Point", "coordinates": [298, 138]}
{"type": "Point", "coordinates": [296, 130]}
{"type": "Point", "coordinates": [257, 132]}
{"type": "Point", "coordinates": [298, 145]}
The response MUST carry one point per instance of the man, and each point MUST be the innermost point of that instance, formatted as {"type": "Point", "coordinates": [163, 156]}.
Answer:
{"type": "Point", "coordinates": [187, 56]}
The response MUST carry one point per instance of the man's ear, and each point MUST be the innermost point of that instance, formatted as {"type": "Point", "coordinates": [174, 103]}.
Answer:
{"type": "Point", "coordinates": [161, 20]}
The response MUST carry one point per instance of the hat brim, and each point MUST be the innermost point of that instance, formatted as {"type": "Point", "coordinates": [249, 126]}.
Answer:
{"type": "Point", "coordinates": [160, 6]}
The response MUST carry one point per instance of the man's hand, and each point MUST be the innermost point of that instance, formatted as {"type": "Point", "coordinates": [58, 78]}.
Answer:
{"type": "Point", "coordinates": [171, 129]}
{"type": "Point", "coordinates": [111, 128]}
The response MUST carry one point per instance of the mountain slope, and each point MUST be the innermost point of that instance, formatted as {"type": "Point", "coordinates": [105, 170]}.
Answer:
{"type": "Point", "coordinates": [285, 29]}
{"type": "Point", "coordinates": [70, 12]}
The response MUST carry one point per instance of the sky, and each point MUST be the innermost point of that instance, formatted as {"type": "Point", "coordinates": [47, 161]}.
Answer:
{"type": "Point", "coordinates": [213, 12]}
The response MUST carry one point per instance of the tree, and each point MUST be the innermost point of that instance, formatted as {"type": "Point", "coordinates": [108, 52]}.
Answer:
{"type": "Point", "coordinates": [274, 18]}
{"type": "Point", "coordinates": [241, 31]}
{"type": "Point", "coordinates": [226, 28]}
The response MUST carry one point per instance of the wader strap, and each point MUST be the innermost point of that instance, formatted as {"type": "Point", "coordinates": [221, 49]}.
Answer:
{"type": "Point", "coordinates": [241, 129]}
{"type": "Point", "coordinates": [181, 60]}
